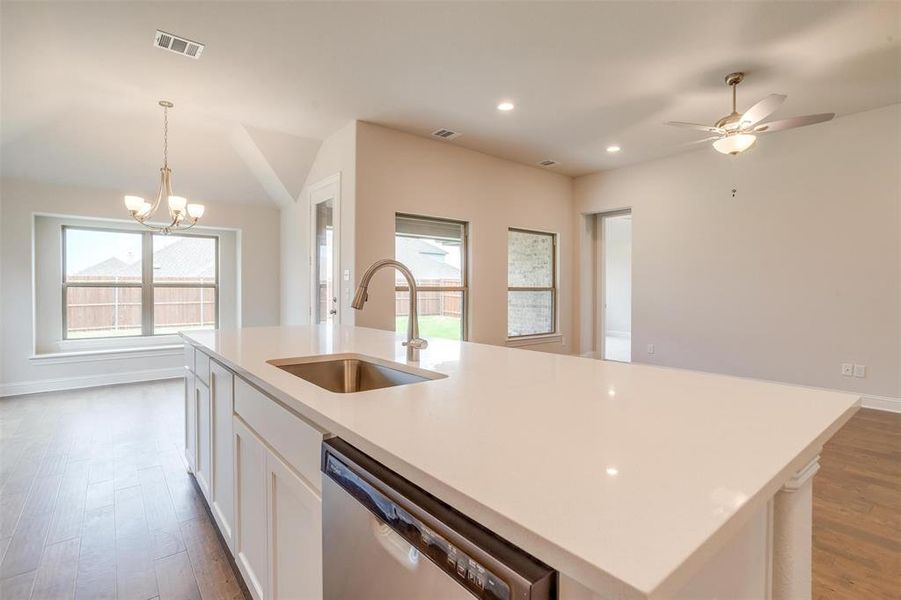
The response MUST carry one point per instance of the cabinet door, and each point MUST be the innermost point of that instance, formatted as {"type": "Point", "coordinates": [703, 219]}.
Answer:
{"type": "Point", "coordinates": [295, 534]}
{"type": "Point", "coordinates": [222, 383]}
{"type": "Point", "coordinates": [190, 421]}
{"type": "Point", "coordinates": [204, 465]}
{"type": "Point", "coordinates": [251, 548]}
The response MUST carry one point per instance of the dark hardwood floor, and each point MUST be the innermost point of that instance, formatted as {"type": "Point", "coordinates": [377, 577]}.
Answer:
{"type": "Point", "coordinates": [857, 511]}
{"type": "Point", "coordinates": [95, 502]}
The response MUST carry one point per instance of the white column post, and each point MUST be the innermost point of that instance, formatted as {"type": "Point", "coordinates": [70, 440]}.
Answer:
{"type": "Point", "coordinates": [793, 535]}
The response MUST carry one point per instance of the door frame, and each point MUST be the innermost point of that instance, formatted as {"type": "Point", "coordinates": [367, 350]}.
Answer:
{"type": "Point", "coordinates": [317, 193]}
{"type": "Point", "coordinates": [600, 277]}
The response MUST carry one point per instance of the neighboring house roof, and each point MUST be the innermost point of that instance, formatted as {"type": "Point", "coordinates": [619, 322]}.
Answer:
{"type": "Point", "coordinates": [186, 260]}
{"type": "Point", "coordinates": [110, 268]}
{"type": "Point", "coordinates": [426, 260]}
{"type": "Point", "coordinates": [183, 259]}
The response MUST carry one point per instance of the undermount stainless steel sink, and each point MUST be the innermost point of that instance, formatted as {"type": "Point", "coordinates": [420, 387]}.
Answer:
{"type": "Point", "coordinates": [349, 373]}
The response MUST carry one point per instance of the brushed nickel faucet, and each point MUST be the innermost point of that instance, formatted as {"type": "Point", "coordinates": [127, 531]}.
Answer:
{"type": "Point", "coordinates": [414, 343]}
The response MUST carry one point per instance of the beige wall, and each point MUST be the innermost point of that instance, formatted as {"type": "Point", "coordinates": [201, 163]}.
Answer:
{"type": "Point", "coordinates": [258, 269]}
{"type": "Point", "coordinates": [797, 273]}
{"type": "Point", "coordinates": [398, 172]}
{"type": "Point", "coordinates": [336, 155]}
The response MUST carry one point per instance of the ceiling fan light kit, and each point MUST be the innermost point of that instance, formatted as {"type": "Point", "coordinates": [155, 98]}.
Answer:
{"type": "Point", "coordinates": [182, 215]}
{"type": "Point", "coordinates": [736, 132]}
{"type": "Point", "coordinates": [734, 144]}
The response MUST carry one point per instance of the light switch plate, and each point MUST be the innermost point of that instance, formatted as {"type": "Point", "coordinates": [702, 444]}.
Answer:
{"type": "Point", "coordinates": [651, 349]}
{"type": "Point", "coordinates": [860, 370]}
{"type": "Point", "coordinates": [847, 369]}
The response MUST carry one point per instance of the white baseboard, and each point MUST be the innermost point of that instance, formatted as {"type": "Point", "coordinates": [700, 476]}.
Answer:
{"type": "Point", "coordinates": [885, 403]}
{"type": "Point", "coordinates": [87, 381]}
{"type": "Point", "coordinates": [619, 334]}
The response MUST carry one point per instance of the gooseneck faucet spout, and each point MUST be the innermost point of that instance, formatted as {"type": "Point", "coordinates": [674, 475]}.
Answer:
{"type": "Point", "coordinates": [414, 343]}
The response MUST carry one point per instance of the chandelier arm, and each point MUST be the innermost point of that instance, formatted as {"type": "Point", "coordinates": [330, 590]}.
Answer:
{"type": "Point", "coordinates": [193, 223]}
{"type": "Point", "coordinates": [141, 221]}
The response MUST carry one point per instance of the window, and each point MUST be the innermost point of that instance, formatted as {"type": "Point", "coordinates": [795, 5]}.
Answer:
{"type": "Point", "coordinates": [531, 283]}
{"type": "Point", "coordinates": [120, 283]}
{"type": "Point", "coordinates": [435, 251]}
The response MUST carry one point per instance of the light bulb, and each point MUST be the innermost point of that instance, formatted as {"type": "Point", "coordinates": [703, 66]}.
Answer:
{"type": "Point", "coordinates": [195, 211]}
{"type": "Point", "coordinates": [177, 203]}
{"type": "Point", "coordinates": [134, 203]}
{"type": "Point", "coordinates": [734, 144]}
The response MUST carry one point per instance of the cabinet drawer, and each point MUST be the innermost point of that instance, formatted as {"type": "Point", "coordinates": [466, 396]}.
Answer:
{"type": "Point", "coordinates": [294, 439]}
{"type": "Point", "coordinates": [202, 366]}
{"type": "Point", "coordinates": [189, 357]}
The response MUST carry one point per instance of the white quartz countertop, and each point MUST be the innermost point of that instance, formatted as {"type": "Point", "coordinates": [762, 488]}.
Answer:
{"type": "Point", "coordinates": [625, 477]}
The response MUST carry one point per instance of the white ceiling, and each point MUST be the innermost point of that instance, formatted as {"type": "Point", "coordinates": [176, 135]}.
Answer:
{"type": "Point", "coordinates": [80, 81]}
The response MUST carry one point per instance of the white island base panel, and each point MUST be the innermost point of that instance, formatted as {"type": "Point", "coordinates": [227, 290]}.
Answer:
{"type": "Point", "coordinates": [632, 481]}
{"type": "Point", "coordinates": [769, 558]}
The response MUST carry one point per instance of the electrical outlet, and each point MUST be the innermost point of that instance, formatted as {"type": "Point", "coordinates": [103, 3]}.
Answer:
{"type": "Point", "coordinates": [860, 370]}
{"type": "Point", "coordinates": [847, 369]}
{"type": "Point", "coordinates": [650, 348]}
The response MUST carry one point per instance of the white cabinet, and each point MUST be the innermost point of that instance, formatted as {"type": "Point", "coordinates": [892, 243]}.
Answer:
{"type": "Point", "coordinates": [190, 420]}
{"type": "Point", "coordinates": [257, 465]}
{"type": "Point", "coordinates": [203, 468]}
{"type": "Point", "coordinates": [295, 534]}
{"type": "Point", "coordinates": [278, 529]}
{"type": "Point", "coordinates": [222, 390]}
{"type": "Point", "coordinates": [251, 546]}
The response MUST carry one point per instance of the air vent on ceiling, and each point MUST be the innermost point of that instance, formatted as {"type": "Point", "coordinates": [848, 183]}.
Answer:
{"type": "Point", "coordinates": [548, 163]}
{"type": "Point", "coordinates": [179, 45]}
{"type": "Point", "coordinates": [445, 134]}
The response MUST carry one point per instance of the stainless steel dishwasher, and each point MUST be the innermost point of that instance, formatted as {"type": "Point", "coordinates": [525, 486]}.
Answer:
{"type": "Point", "coordinates": [385, 538]}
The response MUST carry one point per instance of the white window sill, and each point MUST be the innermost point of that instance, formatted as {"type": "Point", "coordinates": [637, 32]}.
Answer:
{"type": "Point", "coordinates": [107, 354]}
{"type": "Point", "coordinates": [534, 340]}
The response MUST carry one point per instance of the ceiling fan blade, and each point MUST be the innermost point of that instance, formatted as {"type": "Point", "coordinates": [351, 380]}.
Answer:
{"type": "Point", "coordinates": [698, 126]}
{"type": "Point", "coordinates": [704, 141]}
{"type": "Point", "coordinates": [793, 122]}
{"type": "Point", "coordinates": [763, 109]}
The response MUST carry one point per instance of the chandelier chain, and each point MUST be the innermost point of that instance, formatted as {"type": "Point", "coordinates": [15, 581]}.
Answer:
{"type": "Point", "coordinates": [165, 137]}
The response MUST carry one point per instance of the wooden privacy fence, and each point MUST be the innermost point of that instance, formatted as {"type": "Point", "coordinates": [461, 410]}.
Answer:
{"type": "Point", "coordinates": [447, 304]}
{"type": "Point", "coordinates": [119, 308]}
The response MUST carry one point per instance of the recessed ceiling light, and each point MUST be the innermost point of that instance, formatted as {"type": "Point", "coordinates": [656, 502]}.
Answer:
{"type": "Point", "coordinates": [612, 149]}
{"type": "Point", "coordinates": [612, 471]}
{"type": "Point", "coordinates": [505, 106]}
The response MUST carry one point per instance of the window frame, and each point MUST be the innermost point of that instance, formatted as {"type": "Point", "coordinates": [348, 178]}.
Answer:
{"type": "Point", "coordinates": [146, 285]}
{"type": "Point", "coordinates": [555, 327]}
{"type": "Point", "coordinates": [464, 270]}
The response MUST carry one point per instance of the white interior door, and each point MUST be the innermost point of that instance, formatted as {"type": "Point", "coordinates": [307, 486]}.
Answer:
{"type": "Point", "coordinates": [616, 277]}
{"type": "Point", "coordinates": [324, 263]}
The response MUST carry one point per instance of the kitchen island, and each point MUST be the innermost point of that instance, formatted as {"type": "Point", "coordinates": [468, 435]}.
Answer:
{"type": "Point", "coordinates": [632, 481]}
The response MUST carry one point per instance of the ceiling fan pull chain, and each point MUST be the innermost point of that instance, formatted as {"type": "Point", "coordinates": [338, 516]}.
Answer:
{"type": "Point", "coordinates": [732, 169]}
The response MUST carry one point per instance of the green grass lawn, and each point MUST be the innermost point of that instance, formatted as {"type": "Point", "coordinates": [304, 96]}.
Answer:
{"type": "Point", "coordinates": [433, 326]}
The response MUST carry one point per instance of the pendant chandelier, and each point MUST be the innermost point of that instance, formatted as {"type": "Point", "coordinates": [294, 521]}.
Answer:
{"type": "Point", "coordinates": [181, 214]}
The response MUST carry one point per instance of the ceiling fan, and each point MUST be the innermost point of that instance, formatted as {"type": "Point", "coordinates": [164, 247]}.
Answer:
{"type": "Point", "coordinates": [736, 132]}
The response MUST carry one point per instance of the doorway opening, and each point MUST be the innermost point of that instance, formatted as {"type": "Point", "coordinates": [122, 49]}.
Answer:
{"type": "Point", "coordinates": [615, 278]}
{"type": "Point", "coordinates": [324, 220]}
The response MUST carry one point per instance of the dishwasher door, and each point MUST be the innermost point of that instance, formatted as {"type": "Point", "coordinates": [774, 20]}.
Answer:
{"type": "Point", "coordinates": [365, 559]}
{"type": "Point", "coordinates": [387, 539]}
